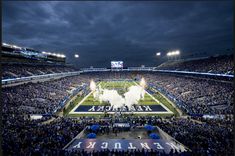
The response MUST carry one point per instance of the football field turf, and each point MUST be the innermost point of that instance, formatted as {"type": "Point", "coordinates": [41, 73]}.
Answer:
{"type": "Point", "coordinates": [88, 105]}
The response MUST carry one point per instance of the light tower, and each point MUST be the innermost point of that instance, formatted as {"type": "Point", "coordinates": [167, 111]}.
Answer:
{"type": "Point", "coordinates": [173, 54]}
{"type": "Point", "coordinates": [76, 56]}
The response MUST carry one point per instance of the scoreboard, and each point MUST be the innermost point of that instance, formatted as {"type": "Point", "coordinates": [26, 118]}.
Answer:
{"type": "Point", "coordinates": [116, 64]}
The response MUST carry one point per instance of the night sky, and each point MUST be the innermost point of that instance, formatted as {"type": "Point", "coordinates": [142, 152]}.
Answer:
{"type": "Point", "coordinates": [129, 31]}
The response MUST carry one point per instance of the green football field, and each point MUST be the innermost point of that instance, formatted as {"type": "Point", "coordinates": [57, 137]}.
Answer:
{"type": "Point", "coordinates": [156, 101]}
{"type": "Point", "coordinates": [121, 87]}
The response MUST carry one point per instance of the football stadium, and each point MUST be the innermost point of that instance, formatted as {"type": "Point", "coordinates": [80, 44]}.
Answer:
{"type": "Point", "coordinates": [62, 104]}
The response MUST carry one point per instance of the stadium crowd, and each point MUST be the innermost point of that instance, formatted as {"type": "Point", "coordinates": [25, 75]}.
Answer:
{"type": "Point", "coordinates": [202, 135]}
{"type": "Point", "coordinates": [218, 64]}
{"type": "Point", "coordinates": [37, 138]}
{"type": "Point", "coordinates": [200, 96]}
{"type": "Point", "coordinates": [21, 70]}
{"type": "Point", "coordinates": [23, 136]}
{"type": "Point", "coordinates": [34, 138]}
{"type": "Point", "coordinates": [39, 98]}
{"type": "Point", "coordinates": [211, 137]}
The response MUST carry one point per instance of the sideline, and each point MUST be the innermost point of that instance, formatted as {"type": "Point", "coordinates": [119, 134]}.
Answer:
{"type": "Point", "coordinates": [169, 111]}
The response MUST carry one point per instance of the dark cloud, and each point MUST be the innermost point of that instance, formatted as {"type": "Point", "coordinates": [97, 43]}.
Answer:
{"type": "Point", "coordinates": [129, 31]}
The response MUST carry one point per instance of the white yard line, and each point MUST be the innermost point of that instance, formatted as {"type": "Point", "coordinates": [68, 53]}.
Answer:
{"type": "Point", "coordinates": [72, 111]}
{"type": "Point", "coordinates": [159, 102]}
{"type": "Point", "coordinates": [156, 100]}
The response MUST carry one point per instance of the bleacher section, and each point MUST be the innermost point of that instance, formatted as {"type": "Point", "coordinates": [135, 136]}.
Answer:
{"type": "Point", "coordinates": [218, 65]}
{"type": "Point", "coordinates": [23, 62]}
{"type": "Point", "coordinates": [24, 70]}
{"type": "Point", "coordinates": [33, 137]}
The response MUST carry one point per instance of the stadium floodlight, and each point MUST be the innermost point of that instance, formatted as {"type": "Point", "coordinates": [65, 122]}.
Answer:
{"type": "Point", "coordinates": [173, 53]}
{"type": "Point", "coordinates": [15, 46]}
{"type": "Point", "coordinates": [177, 52]}
{"type": "Point", "coordinates": [169, 54]}
{"type": "Point", "coordinates": [158, 54]}
{"type": "Point", "coordinates": [63, 56]}
{"type": "Point", "coordinates": [76, 56]}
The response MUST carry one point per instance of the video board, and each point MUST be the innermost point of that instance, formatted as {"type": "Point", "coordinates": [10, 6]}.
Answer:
{"type": "Point", "coordinates": [116, 64]}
